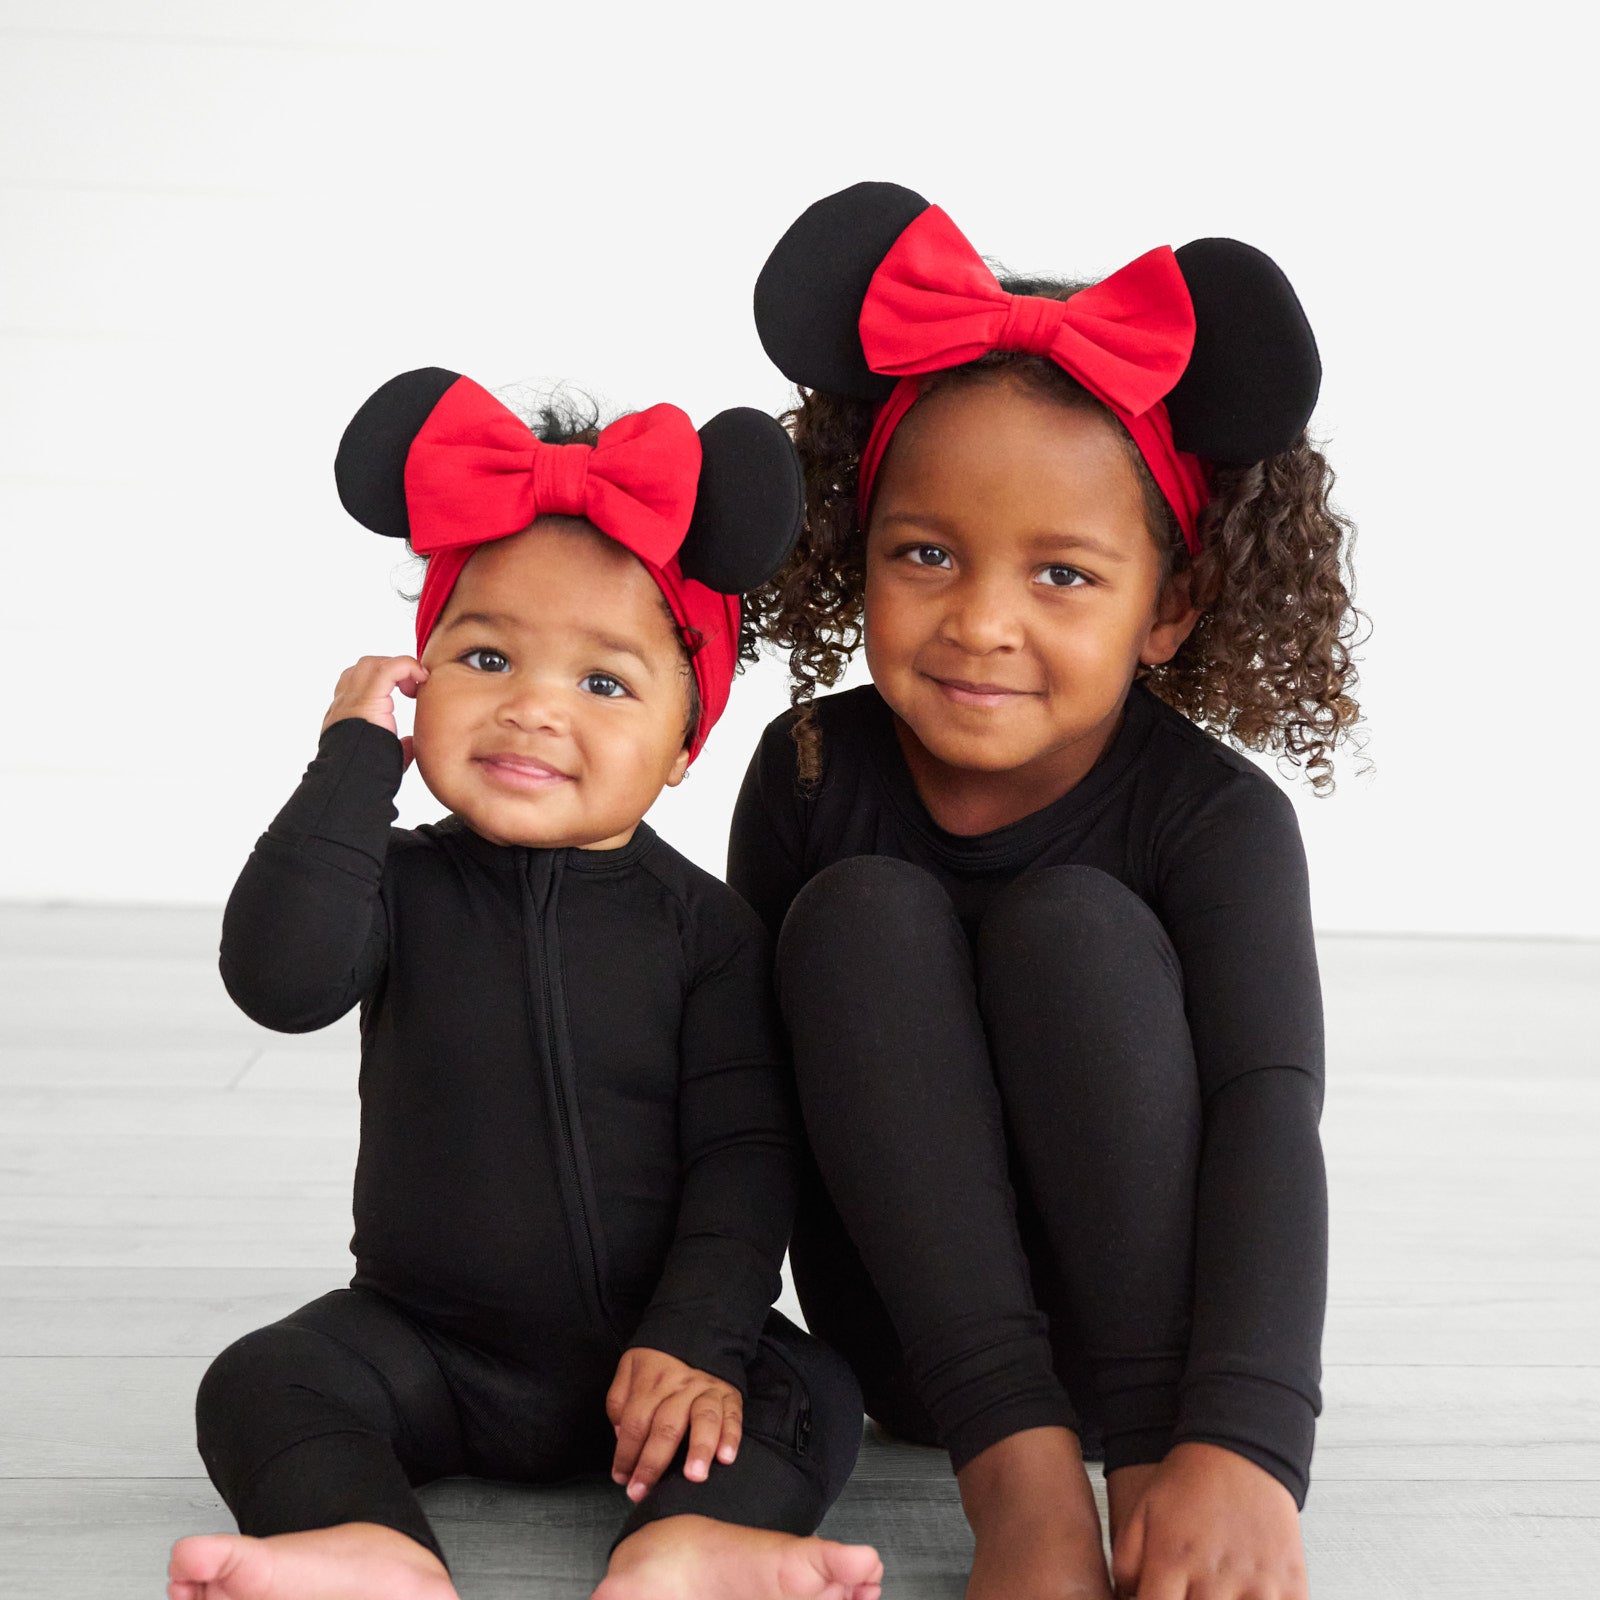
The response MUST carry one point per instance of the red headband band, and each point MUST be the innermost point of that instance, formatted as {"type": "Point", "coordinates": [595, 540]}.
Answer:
{"type": "Point", "coordinates": [933, 304]}
{"type": "Point", "coordinates": [475, 472]}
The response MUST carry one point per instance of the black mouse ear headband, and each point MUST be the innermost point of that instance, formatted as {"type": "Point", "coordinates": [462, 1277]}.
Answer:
{"type": "Point", "coordinates": [1203, 353]}
{"type": "Point", "coordinates": [434, 457]}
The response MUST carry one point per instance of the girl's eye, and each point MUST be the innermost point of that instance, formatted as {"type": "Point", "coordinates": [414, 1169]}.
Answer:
{"type": "Point", "coordinates": [1063, 578]}
{"type": "Point", "coordinates": [927, 555]}
{"type": "Point", "coordinates": [484, 659]}
{"type": "Point", "coordinates": [604, 685]}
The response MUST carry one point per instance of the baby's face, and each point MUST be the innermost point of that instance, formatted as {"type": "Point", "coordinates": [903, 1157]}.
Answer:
{"type": "Point", "coordinates": [557, 691]}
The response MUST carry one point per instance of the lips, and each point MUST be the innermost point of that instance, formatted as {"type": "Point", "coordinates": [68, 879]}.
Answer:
{"type": "Point", "coordinates": [964, 692]}
{"type": "Point", "coordinates": [515, 771]}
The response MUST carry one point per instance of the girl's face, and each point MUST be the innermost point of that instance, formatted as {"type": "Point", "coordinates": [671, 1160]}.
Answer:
{"type": "Point", "coordinates": [1012, 585]}
{"type": "Point", "coordinates": [557, 691]}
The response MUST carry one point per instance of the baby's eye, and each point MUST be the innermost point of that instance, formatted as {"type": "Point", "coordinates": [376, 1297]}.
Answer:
{"type": "Point", "coordinates": [604, 685]}
{"type": "Point", "coordinates": [484, 659]}
{"type": "Point", "coordinates": [1063, 578]}
{"type": "Point", "coordinates": [928, 555]}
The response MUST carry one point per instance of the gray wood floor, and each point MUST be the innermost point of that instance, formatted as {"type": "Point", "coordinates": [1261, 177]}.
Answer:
{"type": "Point", "coordinates": [171, 1176]}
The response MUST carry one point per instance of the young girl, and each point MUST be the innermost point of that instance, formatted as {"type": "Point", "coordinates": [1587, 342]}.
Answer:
{"type": "Point", "coordinates": [1045, 954]}
{"type": "Point", "coordinates": [575, 1177]}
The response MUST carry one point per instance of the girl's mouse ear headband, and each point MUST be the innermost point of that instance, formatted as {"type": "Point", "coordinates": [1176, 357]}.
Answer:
{"type": "Point", "coordinates": [433, 457]}
{"type": "Point", "coordinates": [1203, 353]}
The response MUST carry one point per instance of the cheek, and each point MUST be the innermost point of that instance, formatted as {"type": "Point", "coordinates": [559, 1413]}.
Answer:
{"type": "Point", "coordinates": [896, 620]}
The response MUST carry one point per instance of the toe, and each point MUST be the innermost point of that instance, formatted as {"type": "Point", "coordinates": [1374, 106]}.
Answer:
{"type": "Point", "coordinates": [200, 1558]}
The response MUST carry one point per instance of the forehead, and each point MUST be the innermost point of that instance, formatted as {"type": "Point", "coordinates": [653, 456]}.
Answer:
{"type": "Point", "coordinates": [999, 448]}
{"type": "Point", "coordinates": [562, 571]}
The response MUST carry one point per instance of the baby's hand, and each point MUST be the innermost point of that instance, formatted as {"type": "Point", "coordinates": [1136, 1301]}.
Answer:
{"type": "Point", "coordinates": [366, 690]}
{"type": "Point", "coordinates": [652, 1399]}
{"type": "Point", "coordinates": [1214, 1524]}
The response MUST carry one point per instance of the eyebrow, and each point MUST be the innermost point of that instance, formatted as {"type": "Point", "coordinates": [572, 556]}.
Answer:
{"type": "Point", "coordinates": [1039, 541]}
{"type": "Point", "coordinates": [604, 641]}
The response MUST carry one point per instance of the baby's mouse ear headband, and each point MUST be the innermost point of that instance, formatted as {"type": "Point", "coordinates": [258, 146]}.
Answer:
{"type": "Point", "coordinates": [433, 457]}
{"type": "Point", "coordinates": [1202, 353]}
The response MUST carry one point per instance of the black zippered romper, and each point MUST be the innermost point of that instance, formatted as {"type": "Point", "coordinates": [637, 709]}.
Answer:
{"type": "Point", "coordinates": [577, 1135]}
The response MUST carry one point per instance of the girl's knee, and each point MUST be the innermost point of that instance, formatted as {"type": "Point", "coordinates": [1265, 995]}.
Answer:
{"type": "Point", "coordinates": [1077, 915]}
{"type": "Point", "coordinates": [858, 898]}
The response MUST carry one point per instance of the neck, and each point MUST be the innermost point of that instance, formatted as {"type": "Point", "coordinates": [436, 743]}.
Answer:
{"type": "Point", "coordinates": [967, 800]}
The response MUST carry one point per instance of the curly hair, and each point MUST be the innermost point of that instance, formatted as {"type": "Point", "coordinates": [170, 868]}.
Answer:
{"type": "Point", "coordinates": [570, 417]}
{"type": "Point", "coordinates": [1268, 665]}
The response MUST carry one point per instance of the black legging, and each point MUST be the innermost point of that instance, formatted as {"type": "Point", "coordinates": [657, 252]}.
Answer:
{"type": "Point", "coordinates": [1007, 1126]}
{"type": "Point", "coordinates": [334, 1413]}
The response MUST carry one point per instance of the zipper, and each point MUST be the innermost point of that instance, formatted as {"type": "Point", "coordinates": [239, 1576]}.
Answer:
{"type": "Point", "coordinates": [562, 1085]}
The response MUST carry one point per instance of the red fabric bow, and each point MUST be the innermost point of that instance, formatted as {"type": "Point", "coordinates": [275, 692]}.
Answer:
{"type": "Point", "coordinates": [933, 304]}
{"type": "Point", "coordinates": [475, 472]}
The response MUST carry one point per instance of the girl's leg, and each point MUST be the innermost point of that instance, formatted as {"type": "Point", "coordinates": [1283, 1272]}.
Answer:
{"type": "Point", "coordinates": [904, 1118]}
{"type": "Point", "coordinates": [327, 1419]}
{"type": "Point", "coordinates": [1082, 1000]}
{"type": "Point", "coordinates": [875, 980]}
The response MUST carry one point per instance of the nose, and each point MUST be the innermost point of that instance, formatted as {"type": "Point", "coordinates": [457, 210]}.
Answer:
{"type": "Point", "coordinates": [980, 616]}
{"type": "Point", "coordinates": [533, 705]}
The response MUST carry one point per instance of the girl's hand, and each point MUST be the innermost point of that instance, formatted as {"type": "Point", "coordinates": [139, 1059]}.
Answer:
{"type": "Point", "coordinates": [1211, 1526]}
{"type": "Point", "coordinates": [366, 690]}
{"type": "Point", "coordinates": [652, 1399]}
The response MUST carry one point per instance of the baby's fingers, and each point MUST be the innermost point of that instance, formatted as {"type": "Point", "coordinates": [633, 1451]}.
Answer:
{"type": "Point", "coordinates": [732, 1428]}
{"type": "Point", "coordinates": [672, 1417]}
{"type": "Point", "coordinates": [705, 1432]}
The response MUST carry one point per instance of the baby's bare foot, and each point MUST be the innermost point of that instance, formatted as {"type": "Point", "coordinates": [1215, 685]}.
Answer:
{"type": "Point", "coordinates": [1034, 1522]}
{"type": "Point", "coordinates": [355, 1561]}
{"type": "Point", "coordinates": [697, 1558]}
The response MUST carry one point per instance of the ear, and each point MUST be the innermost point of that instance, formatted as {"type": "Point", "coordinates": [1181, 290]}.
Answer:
{"type": "Point", "coordinates": [748, 505]}
{"type": "Point", "coordinates": [370, 468]}
{"type": "Point", "coordinates": [678, 769]}
{"type": "Point", "coordinates": [1252, 381]}
{"type": "Point", "coordinates": [809, 294]}
{"type": "Point", "coordinates": [1175, 618]}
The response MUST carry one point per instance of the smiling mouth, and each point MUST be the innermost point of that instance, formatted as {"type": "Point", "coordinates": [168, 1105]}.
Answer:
{"type": "Point", "coordinates": [978, 694]}
{"type": "Point", "coordinates": [521, 772]}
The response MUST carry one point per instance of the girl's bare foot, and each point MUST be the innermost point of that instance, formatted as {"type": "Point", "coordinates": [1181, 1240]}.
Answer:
{"type": "Point", "coordinates": [1124, 1489]}
{"type": "Point", "coordinates": [1034, 1520]}
{"type": "Point", "coordinates": [354, 1561]}
{"type": "Point", "coordinates": [697, 1558]}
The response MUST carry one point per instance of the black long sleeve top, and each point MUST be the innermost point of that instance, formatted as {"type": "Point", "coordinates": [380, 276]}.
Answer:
{"type": "Point", "coordinates": [1212, 846]}
{"type": "Point", "coordinates": [577, 1119]}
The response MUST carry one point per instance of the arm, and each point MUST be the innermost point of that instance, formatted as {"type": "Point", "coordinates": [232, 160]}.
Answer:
{"type": "Point", "coordinates": [766, 844]}
{"type": "Point", "coordinates": [737, 1141]}
{"type": "Point", "coordinates": [1238, 910]}
{"type": "Point", "coordinates": [303, 935]}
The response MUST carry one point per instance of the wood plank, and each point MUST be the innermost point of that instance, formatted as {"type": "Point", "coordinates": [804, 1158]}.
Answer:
{"type": "Point", "coordinates": [1470, 1540]}
{"type": "Point", "coordinates": [116, 1416]}
{"type": "Point", "coordinates": [195, 1310]}
{"type": "Point", "coordinates": [173, 1231]}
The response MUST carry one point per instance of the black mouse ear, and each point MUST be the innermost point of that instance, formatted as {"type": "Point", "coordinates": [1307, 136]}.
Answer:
{"type": "Point", "coordinates": [370, 468]}
{"type": "Point", "coordinates": [1252, 381]}
{"type": "Point", "coordinates": [749, 503]}
{"type": "Point", "coordinates": [809, 294]}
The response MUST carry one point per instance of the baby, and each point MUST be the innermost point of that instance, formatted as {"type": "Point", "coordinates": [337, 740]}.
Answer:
{"type": "Point", "coordinates": [576, 1174]}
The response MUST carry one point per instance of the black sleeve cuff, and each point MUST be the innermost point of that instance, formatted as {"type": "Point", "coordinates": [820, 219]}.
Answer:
{"type": "Point", "coordinates": [346, 798]}
{"type": "Point", "coordinates": [1262, 1421]}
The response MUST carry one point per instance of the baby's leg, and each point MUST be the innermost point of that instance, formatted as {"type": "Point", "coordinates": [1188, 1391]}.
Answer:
{"type": "Point", "coordinates": [314, 1431]}
{"type": "Point", "coordinates": [741, 1534]}
{"type": "Point", "coordinates": [877, 985]}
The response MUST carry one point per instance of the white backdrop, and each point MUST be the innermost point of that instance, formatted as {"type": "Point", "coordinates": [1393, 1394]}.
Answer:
{"type": "Point", "coordinates": [222, 225]}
